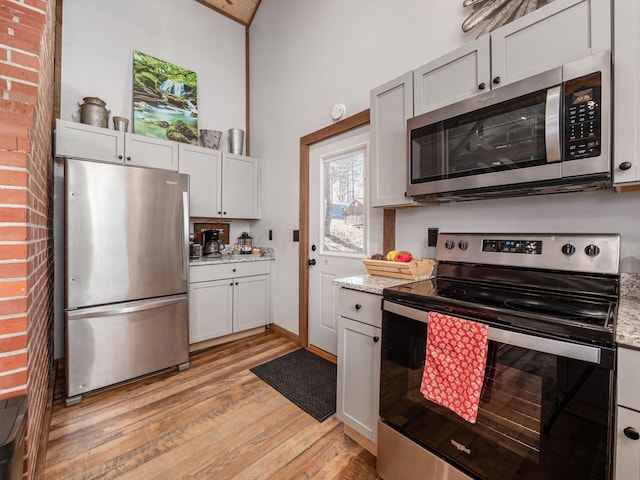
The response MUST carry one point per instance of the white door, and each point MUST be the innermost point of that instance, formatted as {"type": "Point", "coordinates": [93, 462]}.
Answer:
{"type": "Point", "coordinates": [338, 233]}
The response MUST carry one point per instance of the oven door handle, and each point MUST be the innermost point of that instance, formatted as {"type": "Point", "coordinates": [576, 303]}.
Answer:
{"type": "Point", "coordinates": [560, 348]}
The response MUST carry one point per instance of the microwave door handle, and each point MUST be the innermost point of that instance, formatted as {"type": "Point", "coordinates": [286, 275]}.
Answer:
{"type": "Point", "coordinates": [552, 124]}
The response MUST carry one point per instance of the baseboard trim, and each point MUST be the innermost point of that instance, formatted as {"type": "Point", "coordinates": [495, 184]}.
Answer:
{"type": "Point", "coordinates": [322, 353]}
{"type": "Point", "coordinates": [196, 347]}
{"type": "Point", "coordinates": [361, 440]}
{"type": "Point", "coordinates": [285, 333]}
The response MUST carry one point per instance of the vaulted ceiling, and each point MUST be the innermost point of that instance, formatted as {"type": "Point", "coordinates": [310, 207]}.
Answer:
{"type": "Point", "coordinates": [242, 11]}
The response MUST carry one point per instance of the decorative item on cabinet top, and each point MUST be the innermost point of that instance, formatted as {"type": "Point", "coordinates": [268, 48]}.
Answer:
{"type": "Point", "coordinates": [210, 138]}
{"type": "Point", "coordinates": [93, 111]}
{"type": "Point", "coordinates": [497, 12]}
{"type": "Point", "coordinates": [165, 103]}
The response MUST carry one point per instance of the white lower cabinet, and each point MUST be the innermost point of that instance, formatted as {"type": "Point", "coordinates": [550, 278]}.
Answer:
{"type": "Point", "coordinates": [628, 416]}
{"type": "Point", "coordinates": [627, 445]}
{"type": "Point", "coordinates": [228, 298]}
{"type": "Point", "coordinates": [359, 351]}
{"type": "Point", "coordinates": [210, 310]}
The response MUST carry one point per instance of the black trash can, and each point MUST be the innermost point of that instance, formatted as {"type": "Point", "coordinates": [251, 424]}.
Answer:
{"type": "Point", "coordinates": [13, 425]}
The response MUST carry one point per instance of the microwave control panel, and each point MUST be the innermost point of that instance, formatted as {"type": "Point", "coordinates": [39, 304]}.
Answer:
{"type": "Point", "coordinates": [582, 117]}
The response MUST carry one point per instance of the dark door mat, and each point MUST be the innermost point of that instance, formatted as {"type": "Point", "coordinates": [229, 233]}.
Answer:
{"type": "Point", "coordinates": [306, 379]}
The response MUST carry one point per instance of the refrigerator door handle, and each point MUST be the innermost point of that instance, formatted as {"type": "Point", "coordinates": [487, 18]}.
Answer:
{"type": "Point", "coordinates": [138, 306]}
{"type": "Point", "coordinates": [185, 240]}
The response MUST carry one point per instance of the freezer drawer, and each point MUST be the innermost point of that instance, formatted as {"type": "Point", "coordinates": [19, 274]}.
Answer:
{"type": "Point", "coordinates": [114, 343]}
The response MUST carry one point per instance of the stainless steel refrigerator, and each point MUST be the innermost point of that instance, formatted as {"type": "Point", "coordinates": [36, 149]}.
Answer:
{"type": "Point", "coordinates": [126, 263]}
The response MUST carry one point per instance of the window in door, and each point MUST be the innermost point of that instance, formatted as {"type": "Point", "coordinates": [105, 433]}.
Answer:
{"type": "Point", "coordinates": [343, 218]}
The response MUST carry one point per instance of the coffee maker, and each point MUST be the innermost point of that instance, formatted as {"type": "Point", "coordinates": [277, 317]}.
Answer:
{"type": "Point", "coordinates": [211, 244]}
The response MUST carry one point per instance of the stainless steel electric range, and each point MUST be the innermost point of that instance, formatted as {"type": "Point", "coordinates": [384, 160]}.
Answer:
{"type": "Point", "coordinates": [546, 406]}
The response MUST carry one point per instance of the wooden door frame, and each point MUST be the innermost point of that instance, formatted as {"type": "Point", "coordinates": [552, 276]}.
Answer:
{"type": "Point", "coordinates": [349, 123]}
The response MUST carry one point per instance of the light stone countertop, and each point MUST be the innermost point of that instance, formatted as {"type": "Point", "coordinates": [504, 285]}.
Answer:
{"type": "Point", "coordinates": [628, 321]}
{"type": "Point", "coordinates": [369, 283]}
{"type": "Point", "coordinates": [627, 324]}
{"type": "Point", "coordinates": [268, 254]}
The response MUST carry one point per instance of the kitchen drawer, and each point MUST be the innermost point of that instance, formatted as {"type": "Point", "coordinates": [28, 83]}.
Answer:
{"type": "Point", "coordinates": [628, 386]}
{"type": "Point", "coordinates": [205, 273]}
{"type": "Point", "coordinates": [361, 306]}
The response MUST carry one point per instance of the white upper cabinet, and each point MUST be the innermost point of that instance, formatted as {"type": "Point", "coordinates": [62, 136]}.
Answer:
{"type": "Point", "coordinates": [458, 75]}
{"type": "Point", "coordinates": [559, 32]}
{"type": "Point", "coordinates": [221, 185]}
{"type": "Point", "coordinates": [626, 59]}
{"type": "Point", "coordinates": [240, 186]}
{"type": "Point", "coordinates": [204, 167]}
{"type": "Point", "coordinates": [391, 107]}
{"type": "Point", "coordinates": [77, 140]}
{"type": "Point", "coordinates": [143, 151]}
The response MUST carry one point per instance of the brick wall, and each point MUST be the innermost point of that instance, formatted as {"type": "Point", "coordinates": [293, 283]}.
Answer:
{"type": "Point", "coordinates": [26, 196]}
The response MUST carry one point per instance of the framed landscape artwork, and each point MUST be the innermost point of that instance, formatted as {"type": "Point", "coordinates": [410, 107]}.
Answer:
{"type": "Point", "coordinates": [165, 103]}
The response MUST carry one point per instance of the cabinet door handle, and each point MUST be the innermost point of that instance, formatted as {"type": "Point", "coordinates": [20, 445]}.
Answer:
{"type": "Point", "coordinates": [482, 86]}
{"type": "Point", "coordinates": [128, 159]}
{"type": "Point", "coordinates": [376, 339]}
{"type": "Point", "coordinates": [231, 284]}
{"type": "Point", "coordinates": [625, 166]}
{"type": "Point", "coordinates": [358, 306]}
{"type": "Point", "coordinates": [497, 80]}
{"type": "Point", "coordinates": [234, 269]}
{"type": "Point", "coordinates": [119, 157]}
{"type": "Point", "coordinates": [631, 433]}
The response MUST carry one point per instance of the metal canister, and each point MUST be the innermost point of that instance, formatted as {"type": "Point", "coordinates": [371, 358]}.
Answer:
{"type": "Point", "coordinates": [93, 112]}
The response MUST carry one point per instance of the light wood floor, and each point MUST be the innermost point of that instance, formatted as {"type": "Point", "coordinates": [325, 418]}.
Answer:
{"type": "Point", "coordinates": [216, 420]}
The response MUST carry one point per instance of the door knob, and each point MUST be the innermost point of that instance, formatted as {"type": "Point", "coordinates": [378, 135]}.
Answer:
{"type": "Point", "coordinates": [312, 262]}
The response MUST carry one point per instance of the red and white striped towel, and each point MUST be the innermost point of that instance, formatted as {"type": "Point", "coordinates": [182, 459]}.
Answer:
{"type": "Point", "coordinates": [455, 364]}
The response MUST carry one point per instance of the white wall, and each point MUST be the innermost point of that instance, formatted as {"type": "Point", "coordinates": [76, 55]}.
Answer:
{"type": "Point", "coordinates": [99, 37]}
{"type": "Point", "coordinates": [308, 55]}
{"type": "Point", "coordinates": [596, 212]}
{"type": "Point", "coordinates": [98, 40]}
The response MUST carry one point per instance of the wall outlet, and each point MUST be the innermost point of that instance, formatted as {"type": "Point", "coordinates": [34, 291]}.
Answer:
{"type": "Point", "coordinates": [432, 237]}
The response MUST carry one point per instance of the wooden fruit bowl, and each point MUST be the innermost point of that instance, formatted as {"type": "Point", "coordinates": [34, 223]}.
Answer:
{"type": "Point", "coordinates": [416, 269]}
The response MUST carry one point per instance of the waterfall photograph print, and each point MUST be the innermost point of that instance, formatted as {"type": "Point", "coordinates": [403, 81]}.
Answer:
{"type": "Point", "coordinates": [165, 103]}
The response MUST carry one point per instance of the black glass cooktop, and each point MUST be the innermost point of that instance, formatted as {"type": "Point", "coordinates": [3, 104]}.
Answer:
{"type": "Point", "coordinates": [583, 307]}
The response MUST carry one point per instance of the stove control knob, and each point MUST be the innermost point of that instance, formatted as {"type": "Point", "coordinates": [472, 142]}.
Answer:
{"type": "Point", "coordinates": [568, 249]}
{"type": "Point", "coordinates": [592, 250]}
{"type": "Point", "coordinates": [449, 244]}
{"type": "Point", "coordinates": [463, 244]}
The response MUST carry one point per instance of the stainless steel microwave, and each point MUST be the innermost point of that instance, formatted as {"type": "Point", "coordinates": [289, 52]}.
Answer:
{"type": "Point", "coordinates": [545, 134]}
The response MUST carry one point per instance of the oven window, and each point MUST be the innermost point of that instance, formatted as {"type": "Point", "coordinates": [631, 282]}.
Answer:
{"type": "Point", "coordinates": [500, 137]}
{"type": "Point", "coordinates": [541, 416]}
